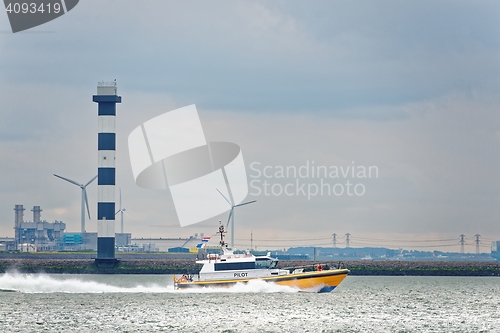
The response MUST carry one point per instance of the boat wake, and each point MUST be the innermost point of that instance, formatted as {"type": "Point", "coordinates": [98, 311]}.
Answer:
{"type": "Point", "coordinates": [43, 283]}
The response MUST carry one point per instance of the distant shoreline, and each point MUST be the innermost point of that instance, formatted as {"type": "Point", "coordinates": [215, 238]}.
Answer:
{"type": "Point", "coordinates": [172, 264]}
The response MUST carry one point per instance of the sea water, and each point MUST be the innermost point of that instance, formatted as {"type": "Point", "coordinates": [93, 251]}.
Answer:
{"type": "Point", "coordinates": [149, 303]}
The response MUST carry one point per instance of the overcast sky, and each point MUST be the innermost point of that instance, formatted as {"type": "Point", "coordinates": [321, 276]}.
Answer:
{"type": "Point", "coordinates": [411, 87]}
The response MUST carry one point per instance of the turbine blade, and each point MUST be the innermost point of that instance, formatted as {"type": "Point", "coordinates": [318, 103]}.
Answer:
{"type": "Point", "coordinates": [246, 203]}
{"type": "Point", "coordinates": [90, 181]}
{"type": "Point", "coordinates": [230, 204]}
{"type": "Point", "coordinates": [119, 210]}
{"type": "Point", "coordinates": [68, 180]}
{"type": "Point", "coordinates": [86, 201]}
{"type": "Point", "coordinates": [127, 214]}
{"type": "Point", "coordinates": [229, 218]}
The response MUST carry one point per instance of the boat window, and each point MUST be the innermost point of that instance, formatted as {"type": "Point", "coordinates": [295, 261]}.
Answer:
{"type": "Point", "coordinates": [265, 263]}
{"type": "Point", "coordinates": [231, 266]}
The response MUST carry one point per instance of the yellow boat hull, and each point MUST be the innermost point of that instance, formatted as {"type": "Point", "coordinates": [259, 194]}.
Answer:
{"type": "Point", "coordinates": [325, 280]}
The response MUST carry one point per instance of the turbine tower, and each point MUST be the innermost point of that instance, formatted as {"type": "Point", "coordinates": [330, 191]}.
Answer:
{"type": "Point", "coordinates": [85, 201]}
{"type": "Point", "coordinates": [231, 214]}
{"type": "Point", "coordinates": [122, 211]}
{"type": "Point", "coordinates": [106, 100]}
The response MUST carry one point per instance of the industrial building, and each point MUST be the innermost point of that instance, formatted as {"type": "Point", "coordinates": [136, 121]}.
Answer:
{"type": "Point", "coordinates": [166, 244]}
{"type": "Point", "coordinates": [88, 241]}
{"type": "Point", "coordinates": [40, 235]}
{"type": "Point", "coordinates": [6, 244]}
{"type": "Point", "coordinates": [495, 249]}
{"type": "Point", "coordinates": [37, 235]}
{"type": "Point", "coordinates": [80, 241]}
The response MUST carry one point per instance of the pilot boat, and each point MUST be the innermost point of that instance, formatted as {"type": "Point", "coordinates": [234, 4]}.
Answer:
{"type": "Point", "coordinates": [227, 269]}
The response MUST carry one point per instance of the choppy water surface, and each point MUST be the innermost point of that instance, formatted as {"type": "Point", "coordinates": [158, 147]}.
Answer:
{"type": "Point", "coordinates": [140, 303]}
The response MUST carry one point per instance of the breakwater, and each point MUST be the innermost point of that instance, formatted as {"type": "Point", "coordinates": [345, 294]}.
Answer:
{"type": "Point", "coordinates": [169, 265]}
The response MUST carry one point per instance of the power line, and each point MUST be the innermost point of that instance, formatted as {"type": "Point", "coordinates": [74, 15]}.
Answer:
{"type": "Point", "coordinates": [407, 240]}
{"type": "Point", "coordinates": [412, 246]}
{"type": "Point", "coordinates": [287, 240]}
{"type": "Point", "coordinates": [375, 240]}
{"type": "Point", "coordinates": [367, 242]}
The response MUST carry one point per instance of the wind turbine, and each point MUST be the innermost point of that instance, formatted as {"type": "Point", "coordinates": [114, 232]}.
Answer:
{"type": "Point", "coordinates": [122, 211]}
{"type": "Point", "coordinates": [231, 214]}
{"type": "Point", "coordinates": [85, 201]}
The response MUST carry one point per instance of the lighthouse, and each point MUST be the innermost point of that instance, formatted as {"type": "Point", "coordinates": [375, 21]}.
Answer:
{"type": "Point", "coordinates": [106, 99]}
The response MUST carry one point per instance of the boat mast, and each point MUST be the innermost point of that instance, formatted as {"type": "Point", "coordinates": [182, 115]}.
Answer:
{"type": "Point", "coordinates": [222, 232]}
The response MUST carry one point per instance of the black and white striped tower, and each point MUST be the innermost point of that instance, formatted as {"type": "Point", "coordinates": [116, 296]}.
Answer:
{"type": "Point", "coordinates": [106, 99]}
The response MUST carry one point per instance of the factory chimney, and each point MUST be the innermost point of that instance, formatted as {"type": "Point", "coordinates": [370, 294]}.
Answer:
{"type": "Point", "coordinates": [19, 218]}
{"type": "Point", "coordinates": [19, 215]}
{"type": "Point", "coordinates": [36, 213]}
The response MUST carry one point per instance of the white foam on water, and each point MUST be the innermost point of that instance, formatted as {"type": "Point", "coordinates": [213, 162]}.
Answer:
{"type": "Point", "coordinates": [253, 286]}
{"type": "Point", "coordinates": [43, 283]}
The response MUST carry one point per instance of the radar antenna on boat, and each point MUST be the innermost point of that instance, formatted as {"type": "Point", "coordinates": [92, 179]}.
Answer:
{"type": "Point", "coordinates": [222, 232]}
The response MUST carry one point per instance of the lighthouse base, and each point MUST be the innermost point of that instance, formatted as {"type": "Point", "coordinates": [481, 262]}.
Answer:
{"type": "Point", "coordinates": [106, 262]}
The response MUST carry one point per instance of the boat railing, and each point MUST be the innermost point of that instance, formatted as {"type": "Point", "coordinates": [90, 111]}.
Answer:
{"type": "Point", "coordinates": [213, 256]}
{"type": "Point", "coordinates": [325, 266]}
{"type": "Point", "coordinates": [313, 267]}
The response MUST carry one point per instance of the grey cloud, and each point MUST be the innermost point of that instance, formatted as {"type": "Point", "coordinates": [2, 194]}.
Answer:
{"type": "Point", "coordinates": [411, 87]}
{"type": "Point", "coordinates": [261, 57]}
